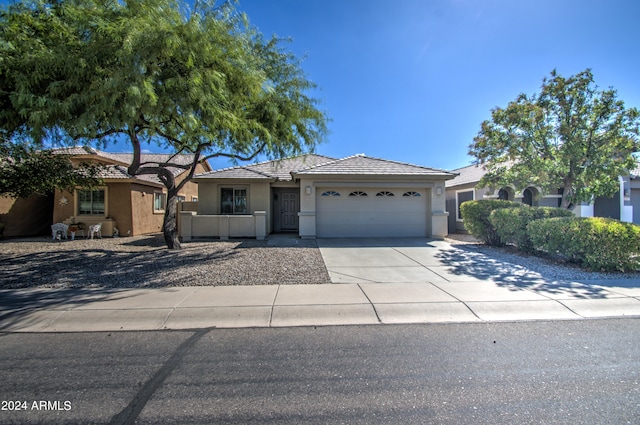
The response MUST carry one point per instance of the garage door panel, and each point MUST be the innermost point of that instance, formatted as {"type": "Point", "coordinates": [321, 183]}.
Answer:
{"type": "Point", "coordinates": [371, 216]}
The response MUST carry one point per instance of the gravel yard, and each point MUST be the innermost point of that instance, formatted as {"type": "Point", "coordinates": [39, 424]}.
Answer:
{"type": "Point", "coordinates": [144, 262]}
{"type": "Point", "coordinates": [508, 260]}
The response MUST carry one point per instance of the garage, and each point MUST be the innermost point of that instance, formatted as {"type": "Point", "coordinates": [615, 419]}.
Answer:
{"type": "Point", "coordinates": [372, 212]}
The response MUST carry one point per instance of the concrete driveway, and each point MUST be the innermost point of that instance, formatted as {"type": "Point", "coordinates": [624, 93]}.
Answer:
{"type": "Point", "coordinates": [408, 275]}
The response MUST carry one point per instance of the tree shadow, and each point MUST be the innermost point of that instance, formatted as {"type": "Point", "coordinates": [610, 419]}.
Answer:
{"type": "Point", "coordinates": [478, 262]}
{"type": "Point", "coordinates": [104, 268]}
{"type": "Point", "coordinates": [16, 305]}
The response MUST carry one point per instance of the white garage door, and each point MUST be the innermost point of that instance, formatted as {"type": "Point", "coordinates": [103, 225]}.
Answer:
{"type": "Point", "coordinates": [365, 212]}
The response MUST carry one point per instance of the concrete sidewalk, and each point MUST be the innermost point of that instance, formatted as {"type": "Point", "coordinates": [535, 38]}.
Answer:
{"type": "Point", "coordinates": [51, 310]}
{"type": "Point", "coordinates": [374, 281]}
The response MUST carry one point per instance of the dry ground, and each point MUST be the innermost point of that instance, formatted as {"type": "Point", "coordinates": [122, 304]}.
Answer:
{"type": "Point", "coordinates": [144, 261]}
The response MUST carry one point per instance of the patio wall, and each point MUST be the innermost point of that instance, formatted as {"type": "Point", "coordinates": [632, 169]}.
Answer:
{"type": "Point", "coordinates": [192, 226]}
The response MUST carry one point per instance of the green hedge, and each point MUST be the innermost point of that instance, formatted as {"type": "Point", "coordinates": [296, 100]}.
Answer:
{"type": "Point", "coordinates": [476, 218]}
{"type": "Point", "coordinates": [596, 243]}
{"type": "Point", "coordinates": [511, 223]}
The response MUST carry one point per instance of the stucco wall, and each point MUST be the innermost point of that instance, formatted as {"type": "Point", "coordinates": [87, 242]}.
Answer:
{"type": "Point", "coordinates": [143, 219]}
{"type": "Point", "coordinates": [635, 202]}
{"type": "Point", "coordinates": [120, 206]}
{"type": "Point", "coordinates": [26, 216]}
{"type": "Point", "coordinates": [63, 211]}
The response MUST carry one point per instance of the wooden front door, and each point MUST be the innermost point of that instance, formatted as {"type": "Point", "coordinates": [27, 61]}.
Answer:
{"type": "Point", "coordinates": [289, 208]}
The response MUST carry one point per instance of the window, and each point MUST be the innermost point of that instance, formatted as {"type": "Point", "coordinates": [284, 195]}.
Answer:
{"type": "Point", "coordinates": [384, 193]}
{"type": "Point", "coordinates": [530, 197]}
{"type": "Point", "coordinates": [181, 198]}
{"type": "Point", "coordinates": [411, 194]}
{"type": "Point", "coordinates": [91, 202]}
{"type": "Point", "coordinates": [194, 199]}
{"type": "Point", "coordinates": [330, 193]}
{"type": "Point", "coordinates": [358, 193]}
{"type": "Point", "coordinates": [159, 201]}
{"type": "Point", "coordinates": [233, 201]}
{"type": "Point", "coordinates": [462, 197]}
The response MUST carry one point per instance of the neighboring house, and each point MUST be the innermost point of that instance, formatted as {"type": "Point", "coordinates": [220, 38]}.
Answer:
{"type": "Point", "coordinates": [624, 205]}
{"type": "Point", "coordinates": [134, 205]}
{"type": "Point", "coordinates": [633, 198]}
{"type": "Point", "coordinates": [317, 196]}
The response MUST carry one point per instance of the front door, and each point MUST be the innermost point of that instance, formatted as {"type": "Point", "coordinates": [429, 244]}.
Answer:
{"type": "Point", "coordinates": [289, 208]}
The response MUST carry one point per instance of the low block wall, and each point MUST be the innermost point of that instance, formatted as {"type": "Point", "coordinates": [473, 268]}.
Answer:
{"type": "Point", "coordinates": [193, 225]}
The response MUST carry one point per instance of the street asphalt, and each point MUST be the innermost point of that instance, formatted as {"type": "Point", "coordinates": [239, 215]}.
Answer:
{"type": "Point", "coordinates": [376, 281]}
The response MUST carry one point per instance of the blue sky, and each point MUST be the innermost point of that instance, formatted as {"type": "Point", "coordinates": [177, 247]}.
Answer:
{"type": "Point", "coordinates": [411, 80]}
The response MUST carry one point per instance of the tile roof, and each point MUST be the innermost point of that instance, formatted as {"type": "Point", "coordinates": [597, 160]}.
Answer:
{"type": "Point", "coordinates": [368, 166]}
{"type": "Point", "coordinates": [466, 175]}
{"type": "Point", "coordinates": [117, 163]}
{"type": "Point", "coordinates": [279, 170]}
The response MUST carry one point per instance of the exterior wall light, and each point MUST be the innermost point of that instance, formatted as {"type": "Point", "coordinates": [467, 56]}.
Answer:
{"type": "Point", "coordinates": [307, 190]}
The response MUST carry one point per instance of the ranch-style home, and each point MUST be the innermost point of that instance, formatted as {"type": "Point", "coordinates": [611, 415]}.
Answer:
{"type": "Point", "coordinates": [315, 196]}
{"type": "Point", "coordinates": [134, 205]}
{"type": "Point", "coordinates": [623, 206]}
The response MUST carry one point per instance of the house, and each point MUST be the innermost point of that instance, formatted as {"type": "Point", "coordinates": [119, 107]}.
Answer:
{"type": "Point", "coordinates": [624, 205]}
{"type": "Point", "coordinates": [135, 205]}
{"type": "Point", "coordinates": [315, 196]}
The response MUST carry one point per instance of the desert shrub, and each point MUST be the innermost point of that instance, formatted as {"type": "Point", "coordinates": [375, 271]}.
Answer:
{"type": "Point", "coordinates": [511, 223]}
{"type": "Point", "coordinates": [476, 218]}
{"type": "Point", "coordinates": [595, 243]}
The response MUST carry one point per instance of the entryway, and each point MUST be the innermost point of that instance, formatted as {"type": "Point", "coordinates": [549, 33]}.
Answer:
{"type": "Point", "coordinates": [286, 206]}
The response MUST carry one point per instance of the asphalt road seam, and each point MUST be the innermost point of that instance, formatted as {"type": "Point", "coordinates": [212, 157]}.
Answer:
{"type": "Point", "coordinates": [130, 413]}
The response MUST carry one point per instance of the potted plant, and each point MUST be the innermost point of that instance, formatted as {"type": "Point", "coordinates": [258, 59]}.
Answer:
{"type": "Point", "coordinates": [74, 227]}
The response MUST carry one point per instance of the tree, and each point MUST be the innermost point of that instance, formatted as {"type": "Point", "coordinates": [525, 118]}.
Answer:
{"type": "Point", "coordinates": [201, 82]}
{"type": "Point", "coordinates": [570, 136]}
{"type": "Point", "coordinates": [25, 171]}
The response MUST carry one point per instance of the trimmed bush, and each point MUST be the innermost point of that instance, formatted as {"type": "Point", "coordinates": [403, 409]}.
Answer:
{"type": "Point", "coordinates": [476, 218]}
{"type": "Point", "coordinates": [595, 243]}
{"type": "Point", "coordinates": [511, 223]}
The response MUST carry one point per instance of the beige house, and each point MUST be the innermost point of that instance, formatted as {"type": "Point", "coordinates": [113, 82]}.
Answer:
{"type": "Point", "coordinates": [316, 196]}
{"type": "Point", "coordinates": [134, 205]}
{"type": "Point", "coordinates": [624, 205]}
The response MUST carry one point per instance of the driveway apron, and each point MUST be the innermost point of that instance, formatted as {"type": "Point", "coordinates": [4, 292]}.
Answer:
{"type": "Point", "coordinates": [438, 281]}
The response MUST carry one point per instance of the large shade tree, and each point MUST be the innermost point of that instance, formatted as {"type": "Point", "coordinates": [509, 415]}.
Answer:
{"type": "Point", "coordinates": [571, 136]}
{"type": "Point", "coordinates": [195, 80]}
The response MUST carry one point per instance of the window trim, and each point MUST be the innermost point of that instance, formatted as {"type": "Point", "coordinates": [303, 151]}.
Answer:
{"type": "Point", "coordinates": [358, 194]}
{"type": "Point", "coordinates": [385, 194]}
{"type": "Point", "coordinates": [104, 189]}
{"type": "Point", "coordinates": [458, 192]}
{"type": "Point", "coordinates": [411, 194]}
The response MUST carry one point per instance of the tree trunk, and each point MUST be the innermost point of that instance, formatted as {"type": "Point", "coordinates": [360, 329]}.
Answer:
{"type": "Point", "coordinates": [567, 192]}
{"type": "Point", "coordinates": [170, 225]}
